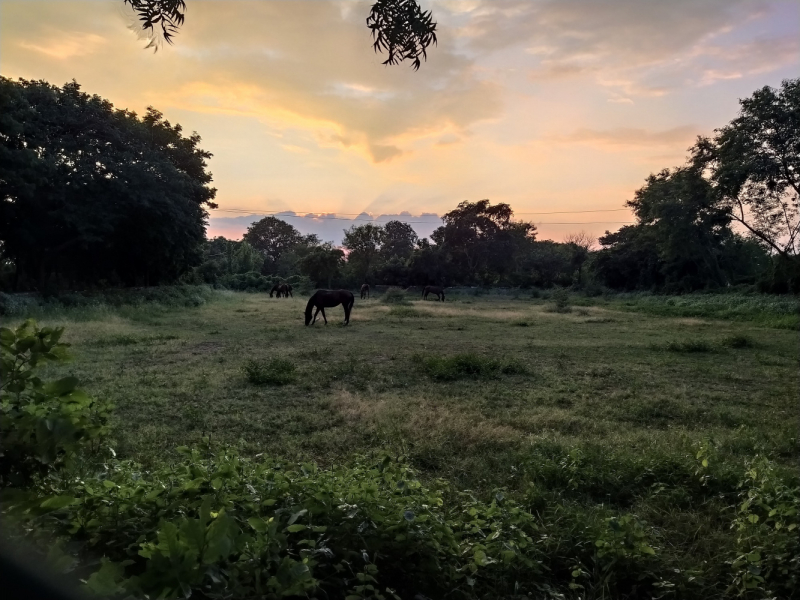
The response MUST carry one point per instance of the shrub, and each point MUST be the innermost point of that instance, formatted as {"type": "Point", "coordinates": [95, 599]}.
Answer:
{"type": "Point", "coordinates": [277, 371]}
{"type": "Point", "coordinates": [220, 525]}
{"type": "Point", "coordinates": [561, 302]}
{"type": "Point", "coordinates": [468, 365]}
{"type": "Point", "coordinates": [767, 562]}
{"type": "Point", "coordinates": [43, 425]}
{"type": "Point", "coordinates": [689, 346]}
{"type": "Point", "coordinates": [394, 295]}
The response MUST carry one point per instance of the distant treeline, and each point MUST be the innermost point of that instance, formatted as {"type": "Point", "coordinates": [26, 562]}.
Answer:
{"type": "Point", "coordinates": [92, 196]}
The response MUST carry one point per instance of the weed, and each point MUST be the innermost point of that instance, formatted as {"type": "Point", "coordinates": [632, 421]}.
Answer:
{"type": "Point", "coordinates": [407, 312]}
{"type": "Point", "coordinates": [277, 371]}
{"type": "Point", "coordinates": [521, 324]}
{"type": "Point", "coordinates": [689, 346]}
{"type": "Point", "coordinates": [468, 365]}
{"type": "Point", "coordinates": [738, 341]}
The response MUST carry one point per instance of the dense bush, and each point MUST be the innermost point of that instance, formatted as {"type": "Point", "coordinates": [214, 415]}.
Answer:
{"type": "Point", "coordinates": [43, 425]}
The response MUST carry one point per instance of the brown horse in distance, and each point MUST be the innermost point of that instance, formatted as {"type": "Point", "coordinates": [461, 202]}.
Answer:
{"type": "Point", "coordinates": [284, 290]}
{"type": "Point", "coordinates": [365, 291]}
{"type": "Point", "coordinates": [433, 289]}
{"type": "Point", "coordinates": [323, 299]}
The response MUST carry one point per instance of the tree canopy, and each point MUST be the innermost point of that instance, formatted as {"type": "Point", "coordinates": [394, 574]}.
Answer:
{"type": "Point", "coordinates": [91, 193]}
{"type": "Point", "coordinates": [399, 27]}
{"type": "Point", "coordinates": [754, 165]}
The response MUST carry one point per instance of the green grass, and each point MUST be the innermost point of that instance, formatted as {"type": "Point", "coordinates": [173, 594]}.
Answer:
{"type": "Point", "coordinates": [780, 312]}
{"type": "Point", "coordinates": [574, 411]}
{"type": "Point", "coordinates": [465, 366]}
{"type": "Point", "coordinates": [277, 371]}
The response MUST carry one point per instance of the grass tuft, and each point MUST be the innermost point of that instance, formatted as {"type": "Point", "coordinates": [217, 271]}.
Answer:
{"type": "Point", "coordinates": [738, 341]}
{"type": "Point", "coordinates": [689, 346]}
{"type": "Point", "coordinates": [277, 371]}
{"type": "Point", "coordinates": [465, 366]}
{"type": "Point", "coordinates": [394, 295]}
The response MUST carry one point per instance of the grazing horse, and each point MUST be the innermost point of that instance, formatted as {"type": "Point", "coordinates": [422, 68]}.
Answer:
{"type": "Point", "coordinates": [284, 290]}
{"type": "Point", "coordinates": [433, 289]}
{"type": "Point", "coordinates": [323, 299]}
{"type": "Point", "coordinates": [365, 291]}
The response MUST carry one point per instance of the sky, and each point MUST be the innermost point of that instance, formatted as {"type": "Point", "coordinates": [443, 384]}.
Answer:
{"type": "Point", "coordinates": [552, 106]}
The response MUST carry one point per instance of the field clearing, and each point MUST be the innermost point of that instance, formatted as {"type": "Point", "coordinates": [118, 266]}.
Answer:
{"type": "Point", "coordinates": [599, 417]}
{"type": "Point", "coordinates": [593, 376]}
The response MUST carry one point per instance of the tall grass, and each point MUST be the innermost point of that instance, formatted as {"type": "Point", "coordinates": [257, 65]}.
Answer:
{"type": "Point", "coordinates": [97, 304]}
{"type": "Point", "coordinates": [782, 312]}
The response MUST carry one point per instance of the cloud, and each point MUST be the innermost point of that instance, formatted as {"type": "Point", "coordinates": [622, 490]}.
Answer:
{"type": "Point", "coordinates": [64, 45]}
{"type": "Point", "coordinates": [328, 226]}
{"type": "Point", "coordinates": [630, 137]}
{"type": "Point", "coordinates": [645, 49]}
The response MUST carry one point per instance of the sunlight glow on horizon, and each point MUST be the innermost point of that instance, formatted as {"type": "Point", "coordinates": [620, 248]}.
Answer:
{"type": "Point", "coordinates": [548, 105]}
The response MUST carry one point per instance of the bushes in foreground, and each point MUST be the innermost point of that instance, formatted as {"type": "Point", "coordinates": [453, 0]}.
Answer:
{"type": "Point", "coordinates": [215, 524]}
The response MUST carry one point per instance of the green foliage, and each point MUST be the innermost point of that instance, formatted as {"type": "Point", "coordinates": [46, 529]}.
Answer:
{"type": "Point", "coordinates": [689, 346]}
{"type": "Point", "coordinates": [219, 524]}
{"type": "Point", "coordinates": [771, 311]}
{"type": "Point", "coordinates": [99, 301]}
{"type": "Point", "coordinates": [561, 303]}
{"type": "Point", "coordinates": [467, 365]}
{"type": "Point", "coordinates": [43, 425]}
{"type": "Point", "coordinates": [767, 563]}
{"type": "Point", "coordinates": [56, 221]}
{"type": "Point", "coordinates": [278, 371]}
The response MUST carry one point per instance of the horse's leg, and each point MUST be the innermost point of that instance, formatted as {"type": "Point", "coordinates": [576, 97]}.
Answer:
{"type": "Point", "coordinates": [315, 316]}
{"type": "Point", "coordinates": [347, 308]}
{"type": "Point", "coordinates": [323, 315]}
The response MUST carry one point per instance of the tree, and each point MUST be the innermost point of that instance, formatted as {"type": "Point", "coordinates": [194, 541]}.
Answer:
{"type": "Point", "coordinates": [363, 243]}
{"type": "Point", "coordinates": [399, 27]}
{"type": "Point", "coordinates": [91, 194]}
{"type": "Point", "coordinates": [689, 226]}
{"type": "Point", "coordinates": [580, 244]}
{"type": "Point", "coordinates": [480, 237]}
{"type": "Point", "coordinates": [321, 263]}
{"type": "Point", "coordinates": [399, 240]}
{"type": "Point", "coordinates": [629, 259]}
{"type": "Point", "coordinates": [272, 237]}
{"type": "Point", "coordinates": [754, 164]}
{"type": "Point", "coordinates": [246, 258]}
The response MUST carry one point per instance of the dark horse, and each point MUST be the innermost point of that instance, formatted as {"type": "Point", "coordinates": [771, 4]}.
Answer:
{"type": "Point", "coordinates": [284, 290]}
{"type": "Point", "coordinates": [365, 291]}
{"type": "Point", "coordinates": [433, 289]}
{"type": "Point", "coordinates": [323, 299]}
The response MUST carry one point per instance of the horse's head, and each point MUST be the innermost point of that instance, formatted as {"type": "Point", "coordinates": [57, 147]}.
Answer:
{"type": "Point", "coordinates": [307, 315]}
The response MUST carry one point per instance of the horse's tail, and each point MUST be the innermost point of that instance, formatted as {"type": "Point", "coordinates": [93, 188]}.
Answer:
{"type": "Point", "coordinates": [309, 307]}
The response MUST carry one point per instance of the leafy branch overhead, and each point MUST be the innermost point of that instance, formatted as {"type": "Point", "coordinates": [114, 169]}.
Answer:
{"type": "Point", "coordinates": [399, 27]}
{"type": "Point", "coordinates": [403, 29]}
{"type": "Point", "coordinates": [166, 15]}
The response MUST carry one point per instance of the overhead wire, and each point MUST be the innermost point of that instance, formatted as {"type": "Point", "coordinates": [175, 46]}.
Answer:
{"type": "Point", "coordinates": [329, 217]}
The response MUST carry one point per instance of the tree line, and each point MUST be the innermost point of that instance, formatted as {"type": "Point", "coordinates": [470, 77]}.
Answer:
{"type": "Point", "coordinates": [95, 196]}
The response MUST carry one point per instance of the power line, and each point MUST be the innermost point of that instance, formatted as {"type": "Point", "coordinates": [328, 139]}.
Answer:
{"type": "Point", "coordinates": [322, 215]}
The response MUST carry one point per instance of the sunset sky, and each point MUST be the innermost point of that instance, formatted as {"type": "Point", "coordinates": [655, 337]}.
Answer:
{"type": "Point", "coordinates": [551, 105]}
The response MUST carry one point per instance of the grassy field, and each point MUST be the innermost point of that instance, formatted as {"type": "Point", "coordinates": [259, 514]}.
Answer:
{"type": "Point", "coordinates": [619, 380]}
{"type": "Point", "coordinates": [607, 408]}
